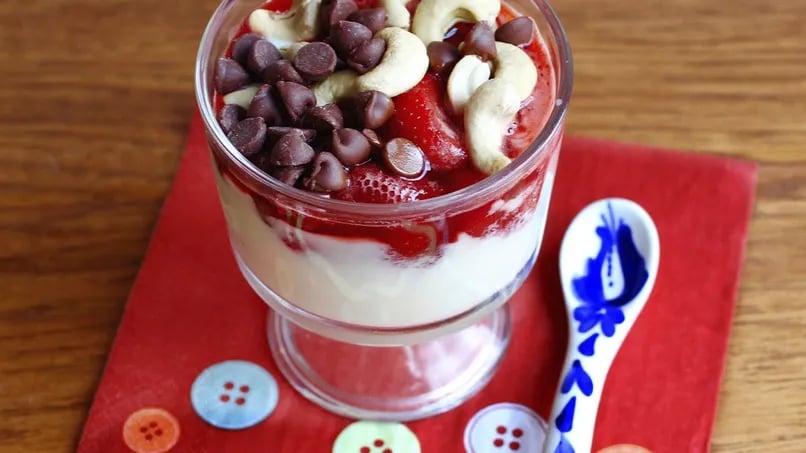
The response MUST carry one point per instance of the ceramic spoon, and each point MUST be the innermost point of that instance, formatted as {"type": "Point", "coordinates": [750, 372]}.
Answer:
{"type": "Point", "coordinates": [608, 263]}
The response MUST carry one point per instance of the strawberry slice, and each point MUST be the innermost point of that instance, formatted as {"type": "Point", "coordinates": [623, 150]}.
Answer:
{"type": "Point", "coordinates": [420, 117]}
{"type": "Point", "coordinates": [364, 4]}
{"type": "Point", "coordinates": [370, 184]}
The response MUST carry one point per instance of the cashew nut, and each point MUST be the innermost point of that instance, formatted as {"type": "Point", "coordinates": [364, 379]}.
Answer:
{"type": "Point", "coordinates": [403, 65]}
{"type": "Point", "coordinates": [495, 105]}
{"type": "Point", "coordinates": [299, 23]}
{"type": "Point", "coordinates": [397, 13]}
{"type": "Point", "coordinates": [434, 18]}
{"type": "Point", "coordinates": [516, 67]}
{"type": "Point", "coordinates": [489, 112]}
{"type": "Point", "coordinates": [242, 97]}
{"type": "Point", "coordinates": [339, 85]}
{"type": "Point", "coordinates": [467, 76]}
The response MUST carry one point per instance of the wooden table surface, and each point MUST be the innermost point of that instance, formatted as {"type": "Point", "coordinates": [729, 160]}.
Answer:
{"type": "Point", "coordinates": [96, 97]}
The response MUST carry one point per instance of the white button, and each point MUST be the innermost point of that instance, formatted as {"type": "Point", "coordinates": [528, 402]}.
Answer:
{"type": "Point", "coordinates": [505, 427]}
{"type": "Point", "coordinates": [234, 395]}
{"type": "Point", "coordinates": [376, 437]}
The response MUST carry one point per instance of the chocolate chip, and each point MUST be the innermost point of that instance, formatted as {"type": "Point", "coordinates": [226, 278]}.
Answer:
{"type": "Point", "coordinates": [332, 11]}
{"type": "Point", "coordinates": [367, 55]}
{"type": "Point", "coordinates": [372, 18]}
{"type": "Point", "coordinates": [316, 61]}
{"type": "Point", "coordinates": [298, 99]}
{"type": "Point", "coordinates": [340, 64]}
{"type": "Point", "coordinates": [376, 109]}
{"type": "Point", "coordinates": [518, 32]}
{"type": "Point", "coordinates": [229, 76]}
{"type": "Point", "coordinates": [324, 118]}
{"type": "Point", "coordinates": [328, 174]}
{"type": "Point", "coordinates": [480, 41]}
{"type": "Point", "coordinates": [350, 146]}
{"type": "Point", "coordinates": [282, 70]}
{"type": "Point", "coordinates": [373, 138]}
{"type": "Point", "coordinates": [345, 36]}
{"type": "Point", "coordinates": [291, 150]}
{"type": "Point", "coordinates": [248, 136]}
{"type": "Point", "coordinates": [229, 116]}
{"type": "Point", "coordinates": [261, 160]}
{"type": "Point", "coordinates": [288, 175]}
{"type": "Point", "coordinates": [442, 56]}
{"type": "Point", "coordinates": [242, 46]}
{"type": "Point", "coordinates": [279, 131]}
{"type": "Point", "coordinates": [265, 106]}
{"type": "Point", "coordinates": [404, 157]}
{"type": "Point", "coordinates": [261, 56]}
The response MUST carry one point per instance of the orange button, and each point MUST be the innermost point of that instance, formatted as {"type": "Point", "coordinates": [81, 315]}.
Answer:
{"type": "Point", "coordinates": [151, 431]}
{"type": "Point", "coordinates": [624, 448]}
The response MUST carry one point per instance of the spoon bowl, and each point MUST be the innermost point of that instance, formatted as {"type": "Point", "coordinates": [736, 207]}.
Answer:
{"type": "Point", "coordinates": [608, 264]}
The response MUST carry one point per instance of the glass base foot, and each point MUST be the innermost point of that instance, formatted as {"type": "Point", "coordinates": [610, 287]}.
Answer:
{"type": "Point", "coordinates": [390, 383]}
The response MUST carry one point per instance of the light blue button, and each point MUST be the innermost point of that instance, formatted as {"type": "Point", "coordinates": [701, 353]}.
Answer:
{"type": "Point", "coordinates": [234, 395]}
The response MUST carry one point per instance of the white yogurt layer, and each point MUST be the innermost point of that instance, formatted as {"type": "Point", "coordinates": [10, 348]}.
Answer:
{"type": "Point", "coordinates": [354, 281]}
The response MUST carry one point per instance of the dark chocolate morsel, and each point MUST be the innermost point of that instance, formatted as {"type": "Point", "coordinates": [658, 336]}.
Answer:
{"type": "Point", "coordinates": [367, 55]}
{"type": "Point", "coordinates": [377, 109]}
{"type": "Point", "coordinates": [248, 136]}
{"type": "Point", "coordinates": [324, 118]}
{"type": "Point", "coordinates": [288, 175]}
{"type": "Point", "coordinates": [229, 116]}
{"type": "Point", "coordinates": [372, 18]}
{"type": "Point", "coordinates": [442, 56]}
{"type": "Point", "coordinates": [404, 157]}
{"type": "Point", "coordinates": [480, 41]}
{"type": "Point", "coordinates": [373, 138]}
{"type": "Point", "coordinates": [350, 146]}
{"type": "Point", "coordinates": [242, 46]}
{"type": "Point", "coordinates": [279, 131]}
{"type": "Point", "coordinates": [265, 106]}
{"type": "Point", "coordinates": [281, 70]}
{"type": "Point", "coordinates": [315, 61]}
{"type": "Point", "coordinates": [333, 11]}
{"type": "Point", "coordinates": [291, 150]}
{"type": "Point", "coordinates": [262, 55]}
{"type": "Point", "coordinates": [328, 174]}
{"type": "Point", "coordinates": [345, 36]}
{"type": "Point", "coordinates": [229, 76]}
{"type": "Point", "coordinates": [519, 31]}
{"type": "Point", "coordinates": [298, 99]}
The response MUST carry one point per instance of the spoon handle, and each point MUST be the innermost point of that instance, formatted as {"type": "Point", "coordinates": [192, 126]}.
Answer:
{"type": "Point", "coordinates": [573, 416]}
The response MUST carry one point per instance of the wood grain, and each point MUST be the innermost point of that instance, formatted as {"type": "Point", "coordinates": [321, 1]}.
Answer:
{"type": "Point", "coordinates": [96, 95]}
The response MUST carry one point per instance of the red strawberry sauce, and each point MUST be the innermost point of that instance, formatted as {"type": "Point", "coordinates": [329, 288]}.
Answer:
{"type": "Point", "coordinates": [421, 117]}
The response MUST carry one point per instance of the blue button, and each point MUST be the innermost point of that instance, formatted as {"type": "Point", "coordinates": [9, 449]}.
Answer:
{"type": "Point", "coordinates": [234, 395]}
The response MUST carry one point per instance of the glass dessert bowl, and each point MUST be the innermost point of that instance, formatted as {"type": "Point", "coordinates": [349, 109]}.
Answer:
{"type": "Point", "coordinates": [385, 169]}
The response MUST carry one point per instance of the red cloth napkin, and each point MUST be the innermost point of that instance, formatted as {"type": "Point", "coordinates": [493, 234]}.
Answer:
{"type": "Point", "coordinates": [190, 308]}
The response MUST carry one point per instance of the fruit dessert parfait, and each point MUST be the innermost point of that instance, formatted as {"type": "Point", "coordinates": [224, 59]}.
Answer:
{"type": "Point", "coordinates": [385, 164]}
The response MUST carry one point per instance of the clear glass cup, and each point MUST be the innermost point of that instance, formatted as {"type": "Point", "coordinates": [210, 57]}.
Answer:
{"type": "Point", "coordinates": [386, 312]}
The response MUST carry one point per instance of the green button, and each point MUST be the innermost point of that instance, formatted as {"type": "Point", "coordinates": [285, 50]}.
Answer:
{"type": "Point", "coordinates": [376, 437]}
